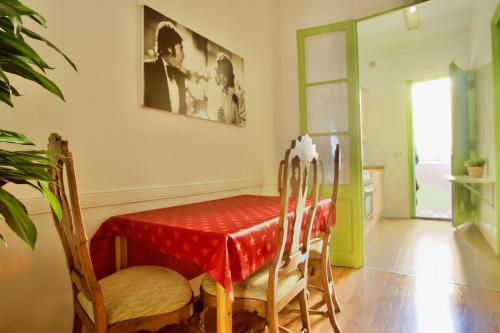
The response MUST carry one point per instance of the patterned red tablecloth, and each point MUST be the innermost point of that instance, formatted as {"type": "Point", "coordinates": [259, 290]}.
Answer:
{"type": "Point", "coordinates": [228, 238]}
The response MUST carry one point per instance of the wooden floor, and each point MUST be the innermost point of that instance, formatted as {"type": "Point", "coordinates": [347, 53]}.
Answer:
{"type": "Point", "coordinates": [426, 248]}
{"type": "Point", "coordinates": [377, 301]}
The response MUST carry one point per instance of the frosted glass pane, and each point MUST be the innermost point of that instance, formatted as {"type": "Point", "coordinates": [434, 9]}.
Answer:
{"type": "Point", "coordinates": [327, 108]}
{"type": "Point", "coordinates": [325, 146]}
{"type": "Point", "coordinates": [326, 57]}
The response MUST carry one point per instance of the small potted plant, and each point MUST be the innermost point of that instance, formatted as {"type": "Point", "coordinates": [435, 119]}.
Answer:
{"type": "Point", "coordinates": [475, 167]}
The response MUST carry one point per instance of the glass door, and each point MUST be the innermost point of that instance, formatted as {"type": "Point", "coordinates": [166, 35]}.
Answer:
{"type": "Point", "coordinates": [329, 113]}
{"type": "Point", "coordinates": [463, 140]}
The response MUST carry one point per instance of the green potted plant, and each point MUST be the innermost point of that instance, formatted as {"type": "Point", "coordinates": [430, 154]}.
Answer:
{"type": "Point", "coordinates": [22, 167]}
{"type": "Point", "coordinates": [475, 166]}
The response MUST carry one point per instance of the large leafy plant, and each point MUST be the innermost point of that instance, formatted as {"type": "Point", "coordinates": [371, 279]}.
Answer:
{"type": "Point", "coordinates": [22, 167]}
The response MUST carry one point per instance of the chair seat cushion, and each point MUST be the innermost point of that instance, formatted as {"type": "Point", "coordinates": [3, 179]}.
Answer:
{"type": "Point", "coordinates": [140, 291]}
{"type": "Point", "coordinates": [255, 286]}
{"type": "Point", "coordinates": [315, 249]}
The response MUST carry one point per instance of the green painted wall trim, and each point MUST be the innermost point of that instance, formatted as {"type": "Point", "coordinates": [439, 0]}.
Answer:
{"type": "Point", "coordinates": [411, 149]}
{"type": "Point", "coordinates": [495, 47]}
{"type": "Point", "coordinates": [325, 82]}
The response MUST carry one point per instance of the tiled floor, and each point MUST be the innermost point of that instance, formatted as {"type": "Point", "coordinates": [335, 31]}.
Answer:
{"type": "Point", "coordinates": [433, 249]}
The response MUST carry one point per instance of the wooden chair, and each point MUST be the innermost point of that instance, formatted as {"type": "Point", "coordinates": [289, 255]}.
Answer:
{"type": "Point", "coordinates": [132, 299]}
{"type": "Point", "coordinates": [319, 256]}
{"type": "Point", "coordinates": [271, 288]}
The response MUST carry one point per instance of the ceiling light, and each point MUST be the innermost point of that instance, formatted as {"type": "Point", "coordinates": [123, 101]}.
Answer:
{"type": "Point", "coordinates": [412, 17]}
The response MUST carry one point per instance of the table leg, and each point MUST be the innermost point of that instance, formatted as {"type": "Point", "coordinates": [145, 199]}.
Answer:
{"type": "Point", "coordinates": [224, 311]}
{"type": "Point", "coordinates": [120, 253]}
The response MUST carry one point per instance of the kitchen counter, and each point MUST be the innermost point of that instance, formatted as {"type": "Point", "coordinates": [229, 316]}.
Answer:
{"type": "Point", "coordinates": [373, 167]}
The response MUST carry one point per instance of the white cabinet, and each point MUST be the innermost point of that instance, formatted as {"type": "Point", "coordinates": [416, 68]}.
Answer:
{"type": "Point", "coordinates": [378, 193]}
{"type": "Point", "coordinates": [375, 174]}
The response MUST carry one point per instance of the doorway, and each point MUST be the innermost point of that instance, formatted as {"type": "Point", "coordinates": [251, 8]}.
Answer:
{"type": "Point", "coordinates": [431, 114]}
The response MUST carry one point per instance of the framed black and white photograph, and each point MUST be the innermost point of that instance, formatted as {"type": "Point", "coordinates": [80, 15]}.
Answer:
{"type": "Point", "coordinates": [188, 74]}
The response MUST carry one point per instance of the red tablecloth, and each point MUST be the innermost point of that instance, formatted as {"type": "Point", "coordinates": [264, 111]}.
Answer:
{"type": "Point", "coordinates": [228, 238]}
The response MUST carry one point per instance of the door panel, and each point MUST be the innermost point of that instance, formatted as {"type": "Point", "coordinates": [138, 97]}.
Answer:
{"type": "Point", "coordinates": [328, 108]}
{"type": "Point", "coordinates": [463, 140]}
{"type": "Point", "coordinates": [325, 146]}
{"type": "Point", "coordinates": [325, 56]}
{"type": "Point", "coordinates": [342, 235]}
{"type": "Point", "coordinates": [329, 112]}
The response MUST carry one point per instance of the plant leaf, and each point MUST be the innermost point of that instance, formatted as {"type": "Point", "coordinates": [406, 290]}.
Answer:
{"type": "Point", "coordinates": [12, 14]}
{"type": "Point", "coordinates": [16, 158]}
{"type": "Point", "coordinates": [25, 182]}
{"type": "Point", "coordinates": [8, 26]}
{"type": "Point", "coordinates": [17, 218]}
{"type": "Point", "coordinates": [24, 10]}
{"type": "Point", "coordinates": [34, 35]}
{"type": "Point", "coordinates": [5, 97]}
{"type": "Point", "coordinates": [14, 137]}
{"type": "Point", "coordinates": [54, 203]}
{"type": "Point", "coordinates": [19, 67]}
{"type": "Point", "coordinates": [6, 87]}
{"type": "Point", "coordinates": [25, 174]}
{"type": "Point", "coordinates": [14, 91]}
{"type": "Point", "coordinates": [5, 80]}
{"type": "Point", "coordinates": [11, 45]}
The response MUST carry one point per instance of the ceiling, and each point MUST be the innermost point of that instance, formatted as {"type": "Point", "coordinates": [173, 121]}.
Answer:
{"type": "Point", "coordinates": [439, 20]}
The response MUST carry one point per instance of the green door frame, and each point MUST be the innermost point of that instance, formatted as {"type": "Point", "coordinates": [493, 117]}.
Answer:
{"type": "Point", "coordinates": [348, 237]}
{"type": "Point", "coordinates": [411, 150]}
{"type": "Point", "coordinates": [495, 58]}
{"type": "Point", "coordinates": [355, 190]}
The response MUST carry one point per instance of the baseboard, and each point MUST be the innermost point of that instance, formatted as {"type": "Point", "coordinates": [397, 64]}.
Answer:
{"type": "Point", "coordinates": [39, 205]}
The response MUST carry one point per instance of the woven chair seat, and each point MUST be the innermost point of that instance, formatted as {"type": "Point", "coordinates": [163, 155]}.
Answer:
{"type": "Point", "coordinates": [255, 286]}
{"type": "Point", "coordinates": [315, 249]}
{"type": "Point", "coordinates": [140, 291]}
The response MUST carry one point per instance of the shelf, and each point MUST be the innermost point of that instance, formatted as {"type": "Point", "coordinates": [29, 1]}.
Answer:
{"type": "Point", "coordinates": [466, 180]}
{"type": "Point", "coordinates": [470, 180]}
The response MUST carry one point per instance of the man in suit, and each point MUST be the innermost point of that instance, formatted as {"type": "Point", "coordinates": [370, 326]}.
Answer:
{"type": "Point", "coordinates": [164, 79]}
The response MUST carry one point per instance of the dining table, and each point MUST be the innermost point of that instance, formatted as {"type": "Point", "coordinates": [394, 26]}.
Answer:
{"type": "Point", "coordinates": [228, 239]}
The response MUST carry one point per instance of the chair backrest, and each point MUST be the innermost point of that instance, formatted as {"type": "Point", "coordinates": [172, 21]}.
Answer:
{"type": "Point", "coordinates": [333, 205]}
{"type": "Point", "coordinates": [336, 172]}
{"type": "Point", "coordinates": [299, 171]}
{"type": "Point", "coordinates": [71, 229]}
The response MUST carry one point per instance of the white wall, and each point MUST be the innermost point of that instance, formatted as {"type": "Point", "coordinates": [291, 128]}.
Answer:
{"type": "Point", "coordinates": [481, 61]}
{"type": "Point", "coordinates": [480, 52]}
{"type": "Point", "coordinates": [386, 114]}
{"type": "Point", "coordinates": [487, 222]}
{"type": "Point", "coordinates": [124, 153]}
